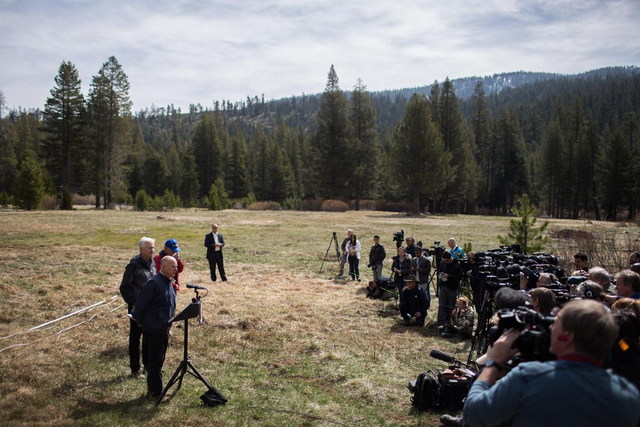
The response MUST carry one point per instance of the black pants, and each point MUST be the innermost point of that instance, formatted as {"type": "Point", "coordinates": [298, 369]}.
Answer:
{"type": "Point", "coordinates": [217, 260]}
{"type": "Point", "coordinates": [155, 347]}
{"type": "Point", "coordinates": [135, 333]}
{"type": "Point", "coordinates": [354, 267]}
{"type": "Point", "coordinates": [446, 304]}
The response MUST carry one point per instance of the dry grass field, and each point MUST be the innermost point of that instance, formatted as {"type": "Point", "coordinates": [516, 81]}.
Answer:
{"type": "Point", "coordinates": [285, 344]}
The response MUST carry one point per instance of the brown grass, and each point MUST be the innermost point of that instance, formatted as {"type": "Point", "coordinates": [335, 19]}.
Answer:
{"type": "Point", "coordinates": [285, 343]}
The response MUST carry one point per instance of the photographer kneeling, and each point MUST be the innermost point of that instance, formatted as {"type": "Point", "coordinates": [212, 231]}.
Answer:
{"type": "Point", "coordinates": [573, 390]}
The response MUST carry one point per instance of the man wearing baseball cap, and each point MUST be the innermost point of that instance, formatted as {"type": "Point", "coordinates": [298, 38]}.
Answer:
{"type": "Point", "coordinates": [171, 248]}
{"type": "Point", "coordinates": [413, 302]}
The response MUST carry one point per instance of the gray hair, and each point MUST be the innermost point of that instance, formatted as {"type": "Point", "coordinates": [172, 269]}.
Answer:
{"type": "Point", "coordinates": [601, 276]}
{"type": "Point", "coordinates": [146, 241]}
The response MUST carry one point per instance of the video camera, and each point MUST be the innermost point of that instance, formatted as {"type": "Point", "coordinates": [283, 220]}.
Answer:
{"type": "Point", "coordinates": [535, 338]}
{"type": "Point", "coordinates": [398, 237]}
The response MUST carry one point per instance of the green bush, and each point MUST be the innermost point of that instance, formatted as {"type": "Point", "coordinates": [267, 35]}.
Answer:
{"type": "Point", "coordinates": [5, 199]}
{"type": "Point", "coordinates": [143, 201]}
{"type": "Point", "coordinates": [170, 200]}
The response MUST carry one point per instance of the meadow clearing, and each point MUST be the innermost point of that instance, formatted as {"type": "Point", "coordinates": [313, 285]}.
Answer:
{"type": "Point", "coordinates": [285, 343]}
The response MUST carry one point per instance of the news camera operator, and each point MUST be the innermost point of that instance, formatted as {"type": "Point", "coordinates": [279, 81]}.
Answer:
{"type": "Point", "coordinates": [449, 281]}
{"type": "Point", "coordinates": [421, 268]}
{"type": "Point", "coordinates": [572, 390]}
{"type": "Point", "coordinates": [473, 270]}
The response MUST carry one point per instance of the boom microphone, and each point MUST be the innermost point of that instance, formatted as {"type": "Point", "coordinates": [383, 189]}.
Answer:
{"type": "Point", "coordinates": [197, 287]}
{"type": "Point", "coordinates": [436, 354]}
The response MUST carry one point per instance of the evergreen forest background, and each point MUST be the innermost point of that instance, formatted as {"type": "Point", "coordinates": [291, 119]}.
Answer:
{"type": "Point", "coordinates": [473, 145]}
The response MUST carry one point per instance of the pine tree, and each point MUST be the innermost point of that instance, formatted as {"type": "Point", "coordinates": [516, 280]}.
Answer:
{"type": "Point", "coordinates": [109, 110]}
{"type": "Point", "coordinates": [523, 231]}
{"type": "Point", "coordinates": [334, 164]}
{"type": "Point", "coordinates": [615, 171]}
{"type": "Point", "coordinates": [551, 165]}
{"type": "Point", "coordinates": [190, 190]}
{"type": "Point", "coordinates": [419, 149]}
{"type": "Point", "coordinates": [207, 152]}
{"type": "Point", "coordinates": [281, 178]}
{"type": "Point", "coordinates": [29, 188]}
{"type": "Point", "coordinates": [261, 161]}
{"type": "Point", "coordinates": [8, 160]}
{"type": "Point", "coordinates": [457, 142]}
{"type": "Point", "coordinates": [364, 146]}
{"type": "Point", "coordinates": [221, 193]}
{"type": "Point", "coordinates": [512, 173]}
{"type": "Point", "coordinates": [63, 122]}
{"type": "Point", "coordinates": [481, 127]}
{"type": "Point", "coordinates": [154, 174]}
{"type": "Point", "coordinates": [237, 173]}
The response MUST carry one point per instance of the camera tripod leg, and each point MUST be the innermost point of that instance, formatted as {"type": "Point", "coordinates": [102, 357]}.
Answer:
{"type": "Point", "coordinates": [177, 376]}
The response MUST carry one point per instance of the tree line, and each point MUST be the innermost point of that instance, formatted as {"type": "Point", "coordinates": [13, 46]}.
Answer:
{"type": "Point", "coordinates": [571, 144]}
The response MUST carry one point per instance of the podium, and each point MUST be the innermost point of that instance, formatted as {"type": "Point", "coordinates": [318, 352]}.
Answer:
{"type": "Point", "coordinates": [213, 395]}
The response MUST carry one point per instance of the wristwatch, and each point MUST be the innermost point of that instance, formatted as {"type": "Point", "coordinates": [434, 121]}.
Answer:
{"type": "Point", "coordinates": [491, 364]}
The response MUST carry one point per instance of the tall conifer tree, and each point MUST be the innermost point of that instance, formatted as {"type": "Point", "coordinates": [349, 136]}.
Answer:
{"type": "Point", "coordinates": [63, 122]}
{"type": "Point", "coordinates": [109, 111]}
{"type": "Point", "coordinates": [364, 144]}
{"type": "Point", "coordinates": [207, 152]}
{"type": "Point", "coordinates": [418, 147]}
{"type": "Point", "coordinates": [332, 141]}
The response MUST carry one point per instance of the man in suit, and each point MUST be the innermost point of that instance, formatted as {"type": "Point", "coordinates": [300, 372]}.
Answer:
{"type": "Point", "coordinates": [214, 243]}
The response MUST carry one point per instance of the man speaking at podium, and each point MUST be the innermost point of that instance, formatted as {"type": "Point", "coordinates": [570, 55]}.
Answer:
{"type": "Point", "coordinates": [155, 306]}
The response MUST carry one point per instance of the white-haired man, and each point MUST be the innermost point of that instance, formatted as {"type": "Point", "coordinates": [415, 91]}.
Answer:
{"type": "Point", "coordinates": [140, 269]}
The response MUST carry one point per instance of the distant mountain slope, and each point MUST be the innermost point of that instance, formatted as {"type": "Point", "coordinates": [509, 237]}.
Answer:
{"type": "Point", "coordinates": [464, 87]}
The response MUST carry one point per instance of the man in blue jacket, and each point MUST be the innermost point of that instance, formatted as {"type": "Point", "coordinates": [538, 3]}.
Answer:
{"type": "Point", "coordinates": [155, 306]}
{"type": "Point", "coordinates": [572, 391]}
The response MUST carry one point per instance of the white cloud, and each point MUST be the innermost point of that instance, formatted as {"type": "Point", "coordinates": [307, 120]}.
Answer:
{"type": "Point", "coordinates": [186, 52]}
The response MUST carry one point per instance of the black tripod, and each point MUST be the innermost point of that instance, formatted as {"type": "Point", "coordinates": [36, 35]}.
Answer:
{"type": "Point", "coordinates": [334, 241]}
{"type": "Point", "coordinates": [192, 310]}
{"type": "Point", "coordinates": [480, 341]}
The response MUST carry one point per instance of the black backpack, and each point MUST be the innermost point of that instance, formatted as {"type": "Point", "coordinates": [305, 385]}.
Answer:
{"type": "Point", "coordinates": [426, 391]}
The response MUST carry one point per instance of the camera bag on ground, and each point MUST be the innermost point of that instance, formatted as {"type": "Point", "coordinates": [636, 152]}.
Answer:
{"type": "Point", "coordinates": [426, 391]}
{"type": "Point", "coordinates": [454, 387]}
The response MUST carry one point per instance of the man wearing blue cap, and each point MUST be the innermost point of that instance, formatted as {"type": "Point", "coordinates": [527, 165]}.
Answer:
{"type": "Point", "coordinates": [170, 249]}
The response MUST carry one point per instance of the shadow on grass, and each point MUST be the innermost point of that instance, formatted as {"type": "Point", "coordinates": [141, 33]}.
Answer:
{"type": "Point", "coordinates": [138, 409]}
{"type": "Point", "coordinates": [115, 352]}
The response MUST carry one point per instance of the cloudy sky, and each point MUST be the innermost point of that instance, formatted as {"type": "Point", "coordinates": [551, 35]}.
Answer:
{"type": "Point", "coordinates": [187, 52]}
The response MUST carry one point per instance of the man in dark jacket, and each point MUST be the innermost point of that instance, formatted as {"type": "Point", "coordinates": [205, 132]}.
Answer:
{"type": "Point", "coordinates": [140, 269]}
{"type": "Point", "coordinates": [377, 254]}
{"type": "Point", "coordinates": [421, 268]}
{"type": "Point", "coordinates": [214, 243]}
{"type": "Point", "coordinates": [155, 307]}
{"type": "Point", "coordinates": [413, 302]}
{"type": "Point", "coordinates": [450, 275]}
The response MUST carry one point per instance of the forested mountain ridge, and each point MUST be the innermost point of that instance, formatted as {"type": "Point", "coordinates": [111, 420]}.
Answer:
{"type": "Point", "coordinates": [571, 142]}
